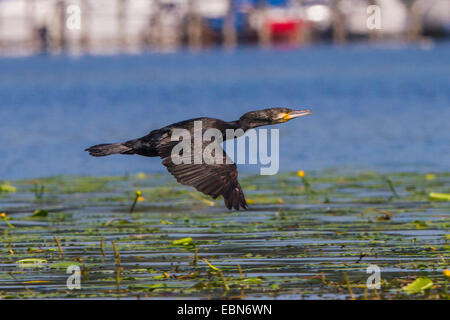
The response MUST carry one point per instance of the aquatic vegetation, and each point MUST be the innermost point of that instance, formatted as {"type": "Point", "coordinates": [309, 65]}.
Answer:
{"type": "Point", "coordinates": [137, 198]}
{"type": "Point", "coordinates": [31, 263]}
{"type": "Point", "coordinates": [391, 187]}
{"type": "Point", "coordinates": [305, 181]}
{"type": "Point", "coordinates": [290, 244]}
{"type": "Point", "coordinates": [6, 187]}
{"type": "Point", "coordinates": [184, 242]}
{"type": "Point", "coordinates": [39, 213]}
{"type": "Point", "coordinates": [419, 285]}
{"type": "Point", "coordinates": [5, 219]}
{"type": "Point", "coordinates": [440, 196]}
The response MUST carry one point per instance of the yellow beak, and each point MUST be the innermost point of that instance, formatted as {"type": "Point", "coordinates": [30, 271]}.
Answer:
{"type": "Point", "coordinates": [295, 114]}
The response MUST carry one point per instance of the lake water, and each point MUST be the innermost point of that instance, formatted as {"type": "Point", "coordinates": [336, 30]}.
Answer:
{"type": "Point", "coordinates": [383, 108]}
{"type": "Point", "coordinates": [290, 244]}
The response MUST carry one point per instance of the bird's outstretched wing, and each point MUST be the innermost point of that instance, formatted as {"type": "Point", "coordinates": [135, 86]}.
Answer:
{"type": "Point", "coordinates": [211, 179]}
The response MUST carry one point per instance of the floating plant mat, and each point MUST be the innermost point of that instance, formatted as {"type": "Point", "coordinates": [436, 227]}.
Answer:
{"type": "Point", "coordinates": [305, 236]}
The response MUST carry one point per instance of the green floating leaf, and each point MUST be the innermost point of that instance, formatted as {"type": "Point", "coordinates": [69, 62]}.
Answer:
{"type": "Point", "coordinates": [116, 222]}
{"type": "Point", "coordinates": [420, 224]}
{"type": "Point", "coordinates": [7, 223]}
{"type": "Point", "coordinates": [7, 188]}
{"type": "Point", "coordinates": [40, 214]}
{"type": "Point", "coordinates": [147, 287]}
{"type": "Point", "coordinates": [440, 196]}
{"type": "Point", "coordinates": [183, 242]}
{"type": "Point", "coordinates": [31, 263]}
{"type": "Point", "coordinates": [63, 264]}
{"type": "Point", "coordinates": [419, 285]}
{"type": "Point", "coordinates": [275, 286]}
{"type": "Point", "coordinates": [252, 280]}
{"type": "Point", "coordinates": [32, 250]}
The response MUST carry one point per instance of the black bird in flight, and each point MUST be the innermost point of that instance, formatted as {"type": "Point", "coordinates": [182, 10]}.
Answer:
{"type": "Point", "coordinates": [211, 179]}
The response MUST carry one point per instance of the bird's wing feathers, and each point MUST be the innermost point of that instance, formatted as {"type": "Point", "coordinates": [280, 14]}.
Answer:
{"type": "Point", "coordinates": [211, 179]}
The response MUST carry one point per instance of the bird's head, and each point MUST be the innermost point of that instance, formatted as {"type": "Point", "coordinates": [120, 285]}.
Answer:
{"type": "Point", "coordinates": [270, 116]}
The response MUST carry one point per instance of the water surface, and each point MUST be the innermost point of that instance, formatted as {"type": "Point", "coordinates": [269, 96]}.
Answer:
{"type": "Point", "coordinates": [290, 244]}
{"type": "Point", "coordinates": [383, 108]}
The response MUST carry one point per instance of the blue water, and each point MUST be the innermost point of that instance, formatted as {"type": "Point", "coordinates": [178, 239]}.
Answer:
{"type": "Point", "coordinates": [381, 108]}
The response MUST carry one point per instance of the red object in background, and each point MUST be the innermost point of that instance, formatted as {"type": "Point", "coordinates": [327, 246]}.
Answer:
{"type": "Point", "coordinates": [288, 30]}
{"type": "Point", "coordinates": [284, 27]}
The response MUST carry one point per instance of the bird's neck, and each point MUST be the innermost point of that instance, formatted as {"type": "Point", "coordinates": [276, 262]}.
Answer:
{"type": "Point", "coordinates": [245, 124]}
{"type": "Point", "coordinates": [238, 124]}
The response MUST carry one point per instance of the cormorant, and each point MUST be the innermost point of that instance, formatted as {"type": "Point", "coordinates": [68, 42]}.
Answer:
{"type": "Point", "coordinates": [211, 179]}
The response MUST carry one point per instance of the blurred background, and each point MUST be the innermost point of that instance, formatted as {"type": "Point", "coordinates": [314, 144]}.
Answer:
{"type": "Point", "coordinates": [111, 26]}
{"type": "Point", "coordinates": [79, 72]}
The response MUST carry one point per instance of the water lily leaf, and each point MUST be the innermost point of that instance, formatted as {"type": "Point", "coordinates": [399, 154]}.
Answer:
{"type": "Point", "coordinates": [63, 264]}
{"type": "Point", "coordinates": [419, 285]}
{"type": "Point", "coordinates": [40, 214]}
{"type": "Point", "coordinates": [440, 196]}
{"type": "Point", "coordinates": [33, 250]}
{"type": "Point", "coordinates": [148, 287]}
{"type": "Point", "coordinates": [116, 221]}
{"type": "Point", "coordinates": [252, 280]}
{"type": "Point", "coordinates": [31, 263]}
{"type": "Point", "coordinates": [7, 188]}
{"type": "Point", "coordinates": [420, 224]}
{"type": "Point", "coordinates": [275, 286]}
{"type": "Point", "coordinates": [183, 242]}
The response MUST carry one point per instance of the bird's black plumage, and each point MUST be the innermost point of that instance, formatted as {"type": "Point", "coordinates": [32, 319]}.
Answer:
{"type": "Point", "coordinates": [211, 179]}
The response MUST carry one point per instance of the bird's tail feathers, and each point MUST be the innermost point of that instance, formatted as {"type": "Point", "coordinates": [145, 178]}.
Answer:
{"type": "Point", "coordinates": [101, 150]}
